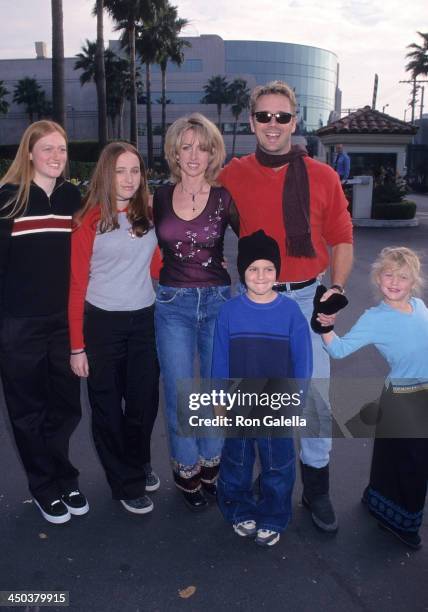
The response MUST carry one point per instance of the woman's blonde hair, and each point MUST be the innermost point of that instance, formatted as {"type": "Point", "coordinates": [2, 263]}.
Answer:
{"type": "Point", "coordinates": [102, 192]}
{"type": "Point", "coordinates": [21, 171]}
{"type": "Point", "coordinates": [398, 257]}
{"type": "Point", "coordinates": [209, 138]}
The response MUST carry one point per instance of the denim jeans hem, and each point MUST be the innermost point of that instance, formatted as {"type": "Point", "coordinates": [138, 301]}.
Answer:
{"type": "Point", "coordinates": [273, 526]}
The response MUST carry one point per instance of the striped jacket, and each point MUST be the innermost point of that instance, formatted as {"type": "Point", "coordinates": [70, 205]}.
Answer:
{"type": "Point", "coordinates": [35, 251]}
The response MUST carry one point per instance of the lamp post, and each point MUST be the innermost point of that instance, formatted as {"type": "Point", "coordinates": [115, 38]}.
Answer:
{"type": "Point", "coordinates": [384, 106]}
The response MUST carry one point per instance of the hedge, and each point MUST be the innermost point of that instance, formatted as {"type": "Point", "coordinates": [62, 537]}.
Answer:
{"type": "Point", "coordinates": [78, 170]}
{"type": "Point", "coordinates": [396, 210]}
{"type": "Point", "coordinates": [79, 150]}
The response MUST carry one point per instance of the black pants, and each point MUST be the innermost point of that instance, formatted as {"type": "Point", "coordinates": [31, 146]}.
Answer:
{"type": "Point", "coordinates": [43, 399]}
{"type": "Point", "coordinates": [123, 368]}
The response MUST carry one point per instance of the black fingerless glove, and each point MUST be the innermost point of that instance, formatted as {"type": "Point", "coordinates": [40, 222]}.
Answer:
{"type": "Point", "coordinates": [333, 304]}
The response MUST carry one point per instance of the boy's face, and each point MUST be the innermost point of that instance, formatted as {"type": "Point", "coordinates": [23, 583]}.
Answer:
{"type": "Point", "coordinates": [260, 277]}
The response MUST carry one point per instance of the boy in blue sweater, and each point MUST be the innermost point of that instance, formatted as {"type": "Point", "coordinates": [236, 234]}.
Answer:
{"type": "Point", "coordinates": [260, 334]}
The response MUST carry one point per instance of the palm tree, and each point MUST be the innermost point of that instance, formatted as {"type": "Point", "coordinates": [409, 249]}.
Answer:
{"type": "Point", "coordinates": [119, 88]}
{"type": "Point", "coordinates": [146, 42]}
{"type": "Point", "coordinates": [4, 104]}
{"type": "Point", "coordinates": [117, 76]}
{"type": "Point", "coordinates": [58, 62]}
{"type": "Point", "coordinates": [29, 93]}
{"type": "Point", "coordinates": [86, 62]}
{"type": "Point", "coordinates": [418, 64]}
{"type": "Point", "coordinates": [217, 92]}
{"type": "Point", "coordinates": [170, 48]}
{"type": "Point", "coordinates": [126, 14]}
{"type": "Point", "coordinates": [100, 76]}
{"type": "Point", "coordinates": [239, 100]}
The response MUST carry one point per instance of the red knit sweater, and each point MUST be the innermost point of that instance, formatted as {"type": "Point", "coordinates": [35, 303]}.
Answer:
{"type": "Point", "coordinates": [257, 192]}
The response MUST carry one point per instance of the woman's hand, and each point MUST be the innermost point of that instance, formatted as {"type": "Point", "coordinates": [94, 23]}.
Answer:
{"type": "Point", "coordinates": [79, 364]}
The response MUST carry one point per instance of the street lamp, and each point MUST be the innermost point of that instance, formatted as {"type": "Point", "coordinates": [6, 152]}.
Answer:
{"type": "Point", "coordinates": [384, 106]}
{"type": "Point", "coordinates": [405, 112]}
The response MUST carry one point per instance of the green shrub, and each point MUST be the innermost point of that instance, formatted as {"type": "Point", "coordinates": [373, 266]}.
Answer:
{"type": "Point", "coordinates": [4, 166]}
{"type": "Point", "coordinates": [78, 150]}
{"type": "Point", "coordinates": [397, 210]}
{"type": "Point", "coordinates": [84, 150]}
{"type": "Point", "coordinates": [393, 191]}
{"type": "Point", "coordinates": [8, 151]}
{"type": "Point", "coordinates": [81, 170]}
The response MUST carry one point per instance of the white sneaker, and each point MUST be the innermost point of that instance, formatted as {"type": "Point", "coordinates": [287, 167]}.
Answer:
{"type": "Point", "coordinates": [267, 537]}
{"type": "Point", "coordinates": [245, 528]}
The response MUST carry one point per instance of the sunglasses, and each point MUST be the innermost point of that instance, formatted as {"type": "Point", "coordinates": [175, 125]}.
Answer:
{"type": "Point", "coordinates": [266, 116]}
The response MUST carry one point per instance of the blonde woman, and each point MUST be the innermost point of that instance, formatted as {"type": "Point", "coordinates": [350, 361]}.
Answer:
{"type": "Point", "coordinates": [42, 395]}
{"type": "Point", "coordinates": [191, 217]}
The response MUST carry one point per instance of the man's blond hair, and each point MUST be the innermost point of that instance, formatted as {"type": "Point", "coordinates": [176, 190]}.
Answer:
{"type": "Point", "coordinates": [273, 87]}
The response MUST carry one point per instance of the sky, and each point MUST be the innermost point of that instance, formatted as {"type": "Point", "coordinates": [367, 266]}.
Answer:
{"type": "Point", "coordinates": [368, 36]}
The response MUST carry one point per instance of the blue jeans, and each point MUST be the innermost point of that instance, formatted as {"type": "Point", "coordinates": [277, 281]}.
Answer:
{"type": "Point", "coordinates": [185, 320]}
{"type": "Point", "coordinates": [315, 451]}
{"type": "Point", "coordinates": [235, 488]}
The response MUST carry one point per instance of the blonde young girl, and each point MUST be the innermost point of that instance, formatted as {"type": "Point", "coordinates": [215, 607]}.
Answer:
{"type": "Point", "coordinates": [398, 327]}
{"type": "Point", "coordinates": [42, 395]}
{"type": "Point", "coordinates": [111, 312]}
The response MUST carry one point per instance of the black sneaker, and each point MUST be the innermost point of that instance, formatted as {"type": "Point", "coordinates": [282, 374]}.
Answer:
{"type": "Point", "coordinates": [141, 505]}
{"type": "Point", "coordinates": [411, 539]}
{"type": "Point", "coordinates": [152, 481]}
{"type": "Point", "coordinates": [55, 512]}
{"type": "Point", "coordinates": [76, 502]}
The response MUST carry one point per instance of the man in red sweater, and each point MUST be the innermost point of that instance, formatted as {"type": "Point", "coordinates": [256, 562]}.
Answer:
{"type": "Point", "coordinates": [300, 202]}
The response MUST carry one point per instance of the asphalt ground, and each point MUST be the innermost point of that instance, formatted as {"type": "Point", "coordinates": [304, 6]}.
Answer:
{"type": "Point", "coordinates": [173, 560]}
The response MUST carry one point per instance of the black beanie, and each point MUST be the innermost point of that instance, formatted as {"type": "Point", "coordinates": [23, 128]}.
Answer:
{"type": "Point", "coordinates": [257, 246]}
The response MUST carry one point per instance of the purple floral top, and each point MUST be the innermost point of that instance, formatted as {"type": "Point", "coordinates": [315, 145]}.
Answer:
{"type": "Point", "coordinates": [193, 250]}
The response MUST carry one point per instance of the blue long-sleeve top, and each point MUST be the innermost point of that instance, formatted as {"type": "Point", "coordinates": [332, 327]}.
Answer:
{"type": "Point", "coordinates": [401, 338]}
{"type": "Point", "coordinates": [342, 165]}
{"type": "Point", "coordinates": [253, 340]}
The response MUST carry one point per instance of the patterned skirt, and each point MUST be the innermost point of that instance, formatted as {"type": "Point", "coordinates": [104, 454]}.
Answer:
{"type": "Point", "coordinates": [399, 470]}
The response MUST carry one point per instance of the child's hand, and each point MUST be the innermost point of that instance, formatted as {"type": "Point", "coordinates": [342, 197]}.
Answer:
{"type": "Point", "coordinates": [79, 364]}
{"type": "Point", "coordinates": [326, 320]}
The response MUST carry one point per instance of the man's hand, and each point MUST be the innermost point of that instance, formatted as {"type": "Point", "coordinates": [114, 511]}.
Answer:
{"type": "Point", "coordinates": [325, 308]}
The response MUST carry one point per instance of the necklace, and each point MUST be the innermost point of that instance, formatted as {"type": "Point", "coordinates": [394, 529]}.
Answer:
{"type": "Point", "coordinates": [193, 194]}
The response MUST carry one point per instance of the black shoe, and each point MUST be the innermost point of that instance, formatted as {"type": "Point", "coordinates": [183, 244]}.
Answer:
{"type": "Point", "coordinates": [55, 512]}
{"type": "Point", "coordinates": [195, 500]}
{"type": "Point", "coordinates": [210, 489]}
{"type": "Point", "coordinates": [316, 498]}
{"type": "Point", "coordinates": [76, 502]}
{"type": "Point", "coordinates": [411, 539]}
{"type": "Point", "coordinates": [141, 505]}
{"type": "Point", "coordinates": [152, 479]}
